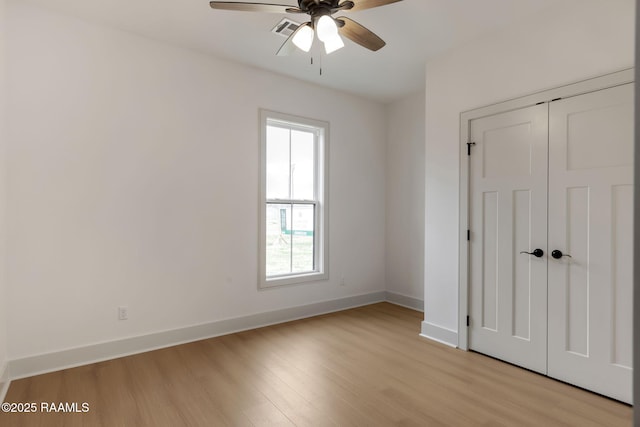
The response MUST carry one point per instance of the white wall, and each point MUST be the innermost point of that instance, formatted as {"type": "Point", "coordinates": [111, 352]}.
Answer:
{"type": "Point", "coordinates": [3, 282]}
{"type": "Point", "coordinates": [133, 180]}
{"type": "Point", "coordinates": [405, 196]}
{"type": "Point", "coordinates": [558, 47]}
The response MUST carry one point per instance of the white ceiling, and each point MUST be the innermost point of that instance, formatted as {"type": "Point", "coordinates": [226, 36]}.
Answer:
{"type": "Point", "coordinates": [415, 30]}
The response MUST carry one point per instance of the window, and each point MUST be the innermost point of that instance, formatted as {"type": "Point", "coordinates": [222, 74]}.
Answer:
{"type": "Point", "coordinates": [293, 202]}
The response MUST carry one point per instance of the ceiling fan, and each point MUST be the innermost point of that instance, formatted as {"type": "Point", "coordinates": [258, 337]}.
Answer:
{"type": "Point", "coordinates": [327, 28]}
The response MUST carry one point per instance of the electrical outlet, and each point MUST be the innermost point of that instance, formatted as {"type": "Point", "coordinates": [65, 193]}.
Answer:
{"type": "Point", "coordinates": [123, 313]}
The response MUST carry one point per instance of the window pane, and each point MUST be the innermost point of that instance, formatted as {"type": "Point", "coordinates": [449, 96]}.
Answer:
{"type": "Point", "coordinates": [302, 163]}
{"type": "Point", "coordinates": [290, 239]}
{"type": "Point", "coordinates": [277, 163]}
{"type": "Point", "coordinates": [302, 231]}
{"type": "Point", "coordinates": [278, 239]}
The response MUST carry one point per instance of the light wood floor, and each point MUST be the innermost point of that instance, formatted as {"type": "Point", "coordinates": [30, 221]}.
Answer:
{"type": "Point", "coordinates": [364, 367]}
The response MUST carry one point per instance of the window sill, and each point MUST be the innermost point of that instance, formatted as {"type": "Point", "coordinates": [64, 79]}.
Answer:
{"type": "Point", "coordinates": [293, 280]}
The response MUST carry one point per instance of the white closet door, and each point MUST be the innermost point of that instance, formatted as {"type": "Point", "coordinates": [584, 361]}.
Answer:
{"type": "Point", "coordinates": [508, 212]}
{"type": "Point", "coordinates": [591, 219]}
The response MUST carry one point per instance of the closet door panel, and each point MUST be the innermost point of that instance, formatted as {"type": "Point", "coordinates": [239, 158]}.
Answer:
{"type": "Point", "coordinates": [508, 211]}
{"type": "Point", "coordinates": [590, 222]}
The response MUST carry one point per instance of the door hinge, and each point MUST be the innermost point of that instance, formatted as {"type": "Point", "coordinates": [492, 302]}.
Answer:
{"type": "Point", "coordinates": [469, 144]}
{"type": "Point", "coordinates": [468, 235]}
{"type": "Point", "coordinates": [556, 99]}
{"type": "Point", "coordinates": [467, 320]}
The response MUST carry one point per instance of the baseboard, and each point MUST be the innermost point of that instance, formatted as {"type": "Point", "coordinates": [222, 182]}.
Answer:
{"type": "Point", "coordinates": [4, 382]}
{"type": "Point", "coordinates": [439, 334]}
{"type": "Point", "coordinates": [55, 361]}
{"type": "Point", "coordinates": [405, 301]}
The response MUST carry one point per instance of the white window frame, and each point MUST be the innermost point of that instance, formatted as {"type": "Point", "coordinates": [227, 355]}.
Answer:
{"type": "Point", "coordinates": [321, 198]}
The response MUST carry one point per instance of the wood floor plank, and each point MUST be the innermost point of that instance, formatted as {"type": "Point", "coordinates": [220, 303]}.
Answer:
{"type": "Point", "coordinates": [361, 367]}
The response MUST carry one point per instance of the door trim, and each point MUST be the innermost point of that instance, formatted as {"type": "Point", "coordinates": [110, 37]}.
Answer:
{"type": "Point", "coordinates": [575, 89]}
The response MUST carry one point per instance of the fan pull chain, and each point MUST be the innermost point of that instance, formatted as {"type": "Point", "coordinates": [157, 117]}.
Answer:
{"type": "Point", "coordinates": [319, 62]}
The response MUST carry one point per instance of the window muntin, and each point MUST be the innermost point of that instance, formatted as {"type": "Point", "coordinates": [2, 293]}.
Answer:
{"type": "Point", "coordinates": [293, 202]}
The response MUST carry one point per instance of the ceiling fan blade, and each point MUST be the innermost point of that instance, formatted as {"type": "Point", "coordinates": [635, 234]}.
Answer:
{"type": "Point", "coordinates": [288, 47]}
{"type": "Point", "coordinates": [254, 7]}
{"type": "Point", "coordinates": [359, 34]}
{"type": "Point", "coordinates": [368, 4]}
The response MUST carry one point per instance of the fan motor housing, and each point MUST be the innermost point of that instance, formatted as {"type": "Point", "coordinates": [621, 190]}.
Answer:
{"type": "Point", "coordinates": [311, 4]}
{"type": "Point", "coordinates": [317, 8]}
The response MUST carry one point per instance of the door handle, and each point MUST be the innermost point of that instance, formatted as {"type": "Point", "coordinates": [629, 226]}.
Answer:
{"type": "Point", "coordinates": [558, 254]}
{"type": "Point", "coordinates": [536, 253]}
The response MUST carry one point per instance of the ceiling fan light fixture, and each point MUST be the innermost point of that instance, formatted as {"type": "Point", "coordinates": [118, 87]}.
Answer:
{"type": "Point", "coordinates": [333, 43]}
{"type": "Point", "coordinates": [326, 28]}
{"type": "Point", "coordinates": [304, 38]}
{"type": "Point", "coordinates": [322, 22]}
